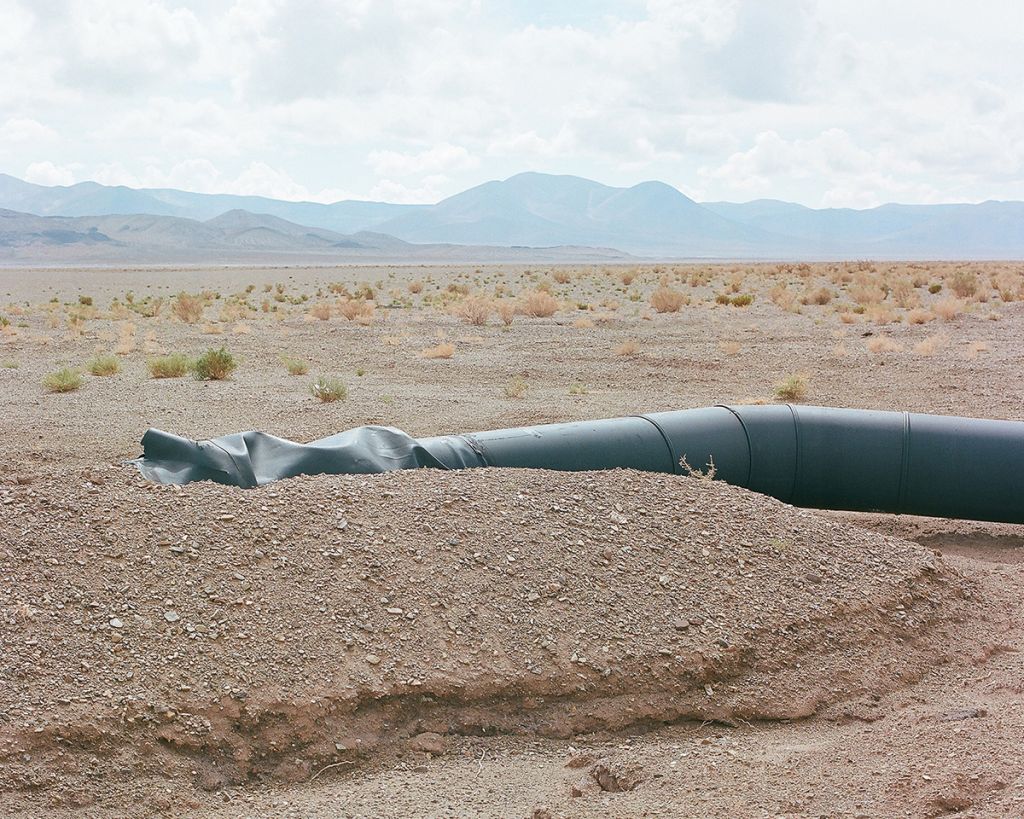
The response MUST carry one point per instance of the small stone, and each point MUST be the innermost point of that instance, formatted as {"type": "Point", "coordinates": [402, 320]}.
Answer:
{"type": "Point", "coordinates": [680, 625]}
{"type": "Point", "coordinates": [171, 616]}
{"type": "Point", "coordinates": [372, 659]}
{"type": "Point", "coordinates": [428, 743]}
{"type": "Point", "coordinates": [115, 622]}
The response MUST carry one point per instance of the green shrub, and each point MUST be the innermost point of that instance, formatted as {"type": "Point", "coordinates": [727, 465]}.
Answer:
{"type": "Point", "coordinates": [64, 380]}
{"type": "Point", "coordinates": [329, 389]}
{"type": "Point", "coordinates": [934, 288]}
{"type": "Point", "coordinates": [793, 388]}
{"type": "Point", "coordinates": [214, 365]}
{"type": "Point", "coordinates": [85, 301]}
{"type": "Point", "coordinates": [104, 365]}
{"type": "Point", "coordinates": [742, 300]}
{"type": "Point", "coordinates": [168, 366]}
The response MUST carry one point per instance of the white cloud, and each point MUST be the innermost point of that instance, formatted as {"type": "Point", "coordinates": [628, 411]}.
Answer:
{"type": "Point", "coordinates": [26, 130]}
{"type": "Point", "coordinates": [439, 158]}
{"type": "Point", "coordinates": [808, 100]}
{"type": "Point", "coordinates": [46, 173]}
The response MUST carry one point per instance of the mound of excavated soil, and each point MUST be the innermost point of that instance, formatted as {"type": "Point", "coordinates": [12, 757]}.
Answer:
{"type": "Point", "coordinates": [219, 634]}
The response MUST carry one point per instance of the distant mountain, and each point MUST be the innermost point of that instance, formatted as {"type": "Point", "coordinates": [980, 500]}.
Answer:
{"type": "Point", "coordinates": [536, 210]}
{"type": "Point", "coordinates": [235, 236]}
{"type": "Point", "coordinates": [92, 199]}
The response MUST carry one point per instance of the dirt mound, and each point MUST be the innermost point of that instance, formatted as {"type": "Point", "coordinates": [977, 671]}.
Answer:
{"type": "Point", "coordinates": [221, 635]}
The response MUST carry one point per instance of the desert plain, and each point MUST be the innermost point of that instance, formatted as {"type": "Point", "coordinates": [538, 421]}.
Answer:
{"type": "Point", "coordinates": [494, 643]}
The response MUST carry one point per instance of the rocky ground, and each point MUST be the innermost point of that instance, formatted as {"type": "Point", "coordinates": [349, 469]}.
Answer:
{"type": "Point", "coordinates": [495, 643]}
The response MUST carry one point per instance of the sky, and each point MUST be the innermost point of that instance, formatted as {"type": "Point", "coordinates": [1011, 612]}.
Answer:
{"type": "Point", "coordinates": [830, 103]}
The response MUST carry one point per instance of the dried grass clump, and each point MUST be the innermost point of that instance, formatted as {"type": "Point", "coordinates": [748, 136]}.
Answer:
{"type": "Point", "coordinates": [792, 388]}
{"type": "Point", "coordinates": [561, 276]}
{"type": "Point", "coordinates": [627, 348]}
{"type": "Point", "coordinates": [667, 300]}
{"type": "Point", "coordinates": [883, 344]}
{"type": "Point", "coordinates": [516, 388]}
{"type": "Point", "coordinates": [415, 287]}
{"type": "Point", "coordinates": [919, 316]}
{"type": "Point", "coordinates": [104, 365]}
{"type": "Point", "coordinates": [125, 338]}
{"type": "Point", "coordinates": [445, 350]}
{"type": "Point", "coordinates": [187, 307]}
{"type": "Point", "coordinates": [948, 308]}
{"type": "Point", "coordinates": [730, 347]}
{"type": "Point", "coordinates": [539, 304]}
{"type": "Point", "coordinates": [880, 314]}
{"type": "Point", "coordinates": [210, 329]}
{"type": "Point", "coordinates": [474, 310]}
{"type": "Point", "coordinates": [627, 277]}
{"type": "Point", "coordinates": [174, 365]}
{"type": "Point", "coordinates": [63, 380]}
{"type": "Point", "coordinates": [582, 324]}
{"type": "Point", "coordinates": [295, 366]}
{"type": "Point", "coordinates": [742, 300]}
{"type": "Point", "coordinates": [976, 347]}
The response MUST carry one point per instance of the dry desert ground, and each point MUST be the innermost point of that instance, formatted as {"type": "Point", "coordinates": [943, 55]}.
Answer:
{"type": "Point", "coordinates": [494, 642]}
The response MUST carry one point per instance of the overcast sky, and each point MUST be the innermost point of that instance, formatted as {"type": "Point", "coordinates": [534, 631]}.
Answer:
{"type": "Point", "coordinates": [824, 102]}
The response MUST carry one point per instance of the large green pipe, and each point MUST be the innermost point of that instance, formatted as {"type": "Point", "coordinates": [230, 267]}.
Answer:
{"type": "Point", "coordinates": [858, 460]}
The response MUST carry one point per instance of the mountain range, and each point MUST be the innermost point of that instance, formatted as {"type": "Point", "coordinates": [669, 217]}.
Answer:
{"type": "Point", "coordinates": [528, 216]}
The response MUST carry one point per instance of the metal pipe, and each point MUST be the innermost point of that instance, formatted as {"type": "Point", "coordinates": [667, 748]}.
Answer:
{"type": "Point", "coordinates": [819, 457]}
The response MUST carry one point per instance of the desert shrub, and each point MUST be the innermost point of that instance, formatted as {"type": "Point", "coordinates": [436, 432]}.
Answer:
{"type": "Point", "coordinates": [174, 365]}
{"type": "Point", "coordinates": [821, 296]}
{"type": "Point", "coordinates": [934, 288]}
{"type": "Point", "coordinates": [296, 366]}
{"type": "Point", "coordinates": [1007, 286]}
{"type": "Point", "coordinates": [883, 344]}
{"type": "Point", "coordinates": [742, 300]}
{"type": "Point", "coordinates": [320, 311]}
{"type": "Point", "coordinates": [328, 389]}
{"type": "Point", "coordinates": [539, 304]}
{"type": "Point", "coordinates": [964, 283]}
{"type": "Point", "coordinates": [63, 380]}
{"type": "Point", "coordinates": [928, 346]}
{"type": "Point", "coordinates": [85, 301]}
{"type": "Point", "coordinates": [210, 329]}
{"type": "Point", "coordinates": [561, 276]}
{"type": "Point", "coordinates": [214, 365]}
{"type": "Point", "coordinates": [723, 298]}
{"type": "Point", "coordinates": [4, 321]}
{"type": "Point", "coordinates": [506, 311]}
{"type": "Point", "coordinates": [948, 308]}
{"type": "Point", "coordinates": [474, 310]}
{"type": "Point", "coordinates": [583, 324]}
{"type": "Point", "coordinates": [415, 287]}
{"type": "Point", "coordinates": [516, 388]}
{"type": "Point", "coordinates": [667, 300]}
{"type": "Point", "coordinates": [627, 348]}
{"type": "Point", "coordinates": [104, 365]}
{"type": "Point", "coordinates": [792, 388]}
{"type": "Point", "coordinates": [356, 310]}
{"type": "Point", "coordinates": [627, 276]}
{"type": "Point", "coordinates": [578, 389]}
{"type": "Point", "coordinates": [445, 350]}
{"type": "Point", "coordinates": [187, 307]}
{"type": "Point", "coordinates": [919, 317]}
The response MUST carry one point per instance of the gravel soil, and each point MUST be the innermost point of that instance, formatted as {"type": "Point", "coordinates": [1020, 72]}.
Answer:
{"type": "Point", "coordinates": [491, 642]}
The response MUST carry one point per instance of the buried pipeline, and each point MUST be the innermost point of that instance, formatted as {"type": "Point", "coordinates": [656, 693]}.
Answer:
{"type": "Point", "coordinates": [817, 457]}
